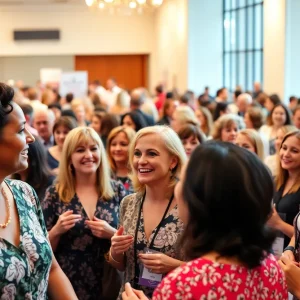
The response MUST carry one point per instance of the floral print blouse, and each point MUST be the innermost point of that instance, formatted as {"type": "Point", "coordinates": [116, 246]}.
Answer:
{"type": "Point", "coordinates": [203, 279]}
{"type": "Point", "coordinates": [165, 241]}
{"type": "Point", "coordinates": [126, 181]}
{"type": "Point", "coordinates": [79, 253]}
{"type": "Point", "coordinates": [24, 270]}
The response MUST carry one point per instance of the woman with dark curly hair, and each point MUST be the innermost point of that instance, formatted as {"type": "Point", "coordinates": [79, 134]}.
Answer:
{"type": "Point", "coordinates": [226, 238]}
{"type": "Point", "coordinates": [28, 269]}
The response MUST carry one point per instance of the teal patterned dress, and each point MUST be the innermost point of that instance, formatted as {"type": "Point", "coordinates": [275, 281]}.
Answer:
{"type": "Point", "coordinates": [24, 270]}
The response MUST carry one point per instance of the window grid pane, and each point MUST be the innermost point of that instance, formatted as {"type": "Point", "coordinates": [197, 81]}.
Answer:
{"type": "Point", "coordinates": [243, 43]}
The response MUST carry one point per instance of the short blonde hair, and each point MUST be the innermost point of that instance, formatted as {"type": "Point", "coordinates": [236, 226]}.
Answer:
{"type": "Point", "coordinates": [256, 141]}
{"type": "Point", "coordinates": [173, 145]}
{"type": "Point", "coordinates": [185, 115]}
{"type": "Point", "coordinates": [226, 121]}
{"type": "Point", "coordinates": [66, 179]}
{"type": "Point", "coordinates": [283, 175]}
{"type": "Point", "coordinates": [129, 132]}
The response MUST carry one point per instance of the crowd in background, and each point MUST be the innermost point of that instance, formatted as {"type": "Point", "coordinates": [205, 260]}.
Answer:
{"type": "Point", "coordinates": [105, 171]}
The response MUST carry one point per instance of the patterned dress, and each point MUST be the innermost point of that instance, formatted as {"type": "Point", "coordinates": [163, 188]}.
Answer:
{"type": "Point", "coordinates": [203, 279]}
{"type": "Point", "coordinates": [24, 270]}
{"type": "Point", "coordinates": [165, 241]}
{"type": "Point", "coordinates": [79, 253]}
{"type": "Point", "coordinates": [126, 181]}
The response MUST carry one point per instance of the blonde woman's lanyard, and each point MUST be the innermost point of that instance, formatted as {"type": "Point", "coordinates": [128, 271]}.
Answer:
{"type": "Point", "coordinates": [136, 266]}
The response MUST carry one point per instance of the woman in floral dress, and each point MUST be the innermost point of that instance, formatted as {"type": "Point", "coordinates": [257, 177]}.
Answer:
{"type": "Point", "coordinates": [28, 269]}
{"type": "Point", "coordinates": [224, 203]}
{"type": "Point", "coordinates": [82, 211]}
{"type": "Point", "coordinates": [149, 219]}
{"type": "Point", "coordinates": [117, 152]}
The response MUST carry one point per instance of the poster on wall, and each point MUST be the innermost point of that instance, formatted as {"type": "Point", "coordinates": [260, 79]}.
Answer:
{"type": "Point", "coordinates": [74, 82]}
{"type": "Point", "coordinates": [50, 76]}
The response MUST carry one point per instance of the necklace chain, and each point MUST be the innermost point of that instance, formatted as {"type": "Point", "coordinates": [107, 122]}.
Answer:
{"type": "Point", "coordinates": [4, 225]}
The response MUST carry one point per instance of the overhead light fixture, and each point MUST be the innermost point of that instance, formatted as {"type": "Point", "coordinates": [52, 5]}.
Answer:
{"type": "Point", "coordinates": [122, 5]}
{"type": "Point", "coordinates": [89, 2]}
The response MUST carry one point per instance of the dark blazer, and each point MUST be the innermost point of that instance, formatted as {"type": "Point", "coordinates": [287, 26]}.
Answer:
{"type": "Point", "coordinates": [163, 121]}
{"type": "Point", "coordinates": [149, 119]}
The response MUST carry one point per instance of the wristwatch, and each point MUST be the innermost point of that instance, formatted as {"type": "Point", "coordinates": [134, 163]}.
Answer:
{"type": "Point", "coordinates": [291, 248]}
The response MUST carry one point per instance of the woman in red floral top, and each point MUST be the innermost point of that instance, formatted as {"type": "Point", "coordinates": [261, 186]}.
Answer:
{"type": "Point", "coordinates": [224, 203]}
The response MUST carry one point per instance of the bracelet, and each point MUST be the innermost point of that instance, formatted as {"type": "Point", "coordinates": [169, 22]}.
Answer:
{"type": "Point", "coordinates": [110, 255]}
{"type": "Point", "coordinates": [291, 248]}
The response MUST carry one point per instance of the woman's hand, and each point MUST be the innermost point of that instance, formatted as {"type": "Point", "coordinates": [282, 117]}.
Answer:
{"type": "Point", "coordinates": [65, 222]}
{"type": "Point", "coordinates": [159, 263]}
{"type": "Point", "coordinates": [132, 294]}
{"type": "Point", "coordinates": [120, 243]}
{"type": "Point", "coordinates": [275, 220]}
{"type": "Point", "coordinates": [289, 255]}
{"type": "Point", "coordinates": [100, 228]}
{"type": "Point", "coordinates": [292, 275]}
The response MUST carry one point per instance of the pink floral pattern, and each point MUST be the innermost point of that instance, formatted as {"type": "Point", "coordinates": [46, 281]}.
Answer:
{"type": "Point", "coordinates": [206, 280]}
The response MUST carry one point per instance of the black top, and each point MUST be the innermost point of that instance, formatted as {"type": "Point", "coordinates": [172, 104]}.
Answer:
{"type": "Point", "coordinates": [52, 162]}
{"type": "Point", "coordinates": [289, 204]}
{"type": "Point", "coordinates": [149, 119]}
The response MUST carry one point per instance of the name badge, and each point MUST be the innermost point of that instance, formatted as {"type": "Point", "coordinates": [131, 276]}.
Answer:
{"type": "Point", "coordinates": [148, 278]}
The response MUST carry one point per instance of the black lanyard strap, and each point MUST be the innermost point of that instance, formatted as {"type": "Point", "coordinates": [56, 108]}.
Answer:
{"type": "Point", "coordinates": [136, 268]}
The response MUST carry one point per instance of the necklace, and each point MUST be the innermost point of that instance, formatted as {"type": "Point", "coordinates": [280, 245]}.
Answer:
{"type": "Point", "coordinates": [4, 225]}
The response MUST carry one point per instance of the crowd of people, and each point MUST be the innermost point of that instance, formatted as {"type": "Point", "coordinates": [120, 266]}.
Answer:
{"type": "Point", "coordinates": [124, 195]}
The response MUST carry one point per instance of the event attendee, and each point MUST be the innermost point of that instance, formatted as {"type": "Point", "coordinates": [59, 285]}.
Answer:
{"type": "Point", "coordinates": [252, 141]}
{"type": "Point", "coordinates": [227, 127]}
{"type": "Point", "coordinates": [271, 102]}
{"type": "Point", "coordinates": [293, 102]}
{"type": "Point", "coordinates": [37, 175]}
{"type": "Point", "coordinates": [28, 269]}
{"type": "Point", "coordinates": [228, 251]}
{"type": "Point", "coordinates": [80, 113]}
{"type": "Point", "coordinates": [137, 99]}
{"type": "Point", "coordinates": [117, 152]}
{"type": "Point", "coordinates": [81, 212]}
{"type": "Point", "coordinates": [61, 129]}
{"type": "Point", "coordinates": [243, 102]}
{"type": "Point", "coordinates": [167, 112]}
{"type": "Point", "coordinates": [272, 160]}
{"type": "Point", "coordinates": [296, 116]}
{"type": "Point", "coordinates": [160, 97]}
{"type": "Point", "coordinates": [121, 107]}
{"type": "Point", "coordinates": [254, 118]}
{"type": "Point", "coordinates": [220, 110]}
{"type": "Point", "coordinates": [183, 115]}
{"type": "Point", "coordinates": [149, 218]}
{"type": "Point", "coordinates": [256, 89]}
{"type": "Point", "coordinates": [28, 113]}
{"type": "Point", "coordinates": [205, 119]}
{"type": "Point", "coordinates": [108, 123]}
{"type": "Point", "coordinates": [287, 196]}
{"type": "Point", "coordinates": [43, 121]}
{"type": "Point", "coordinates": [191, 137]}
{"type": "Point", "coordinates": [222, 95]}
{"type": "Point", "coordinates": [96, 121]}
{"type": "Point", "coordinates": [134, 120]}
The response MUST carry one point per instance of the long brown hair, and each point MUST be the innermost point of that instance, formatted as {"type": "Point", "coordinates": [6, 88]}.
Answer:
{"type": "Point", "coordinates": [283, 175]}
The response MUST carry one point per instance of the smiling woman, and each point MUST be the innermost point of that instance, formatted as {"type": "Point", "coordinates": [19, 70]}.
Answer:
{"type": "Point", "coordinates": [81, 212]}
{"type": "Point", "coordinates": [149, 218]}
{"type": "Point", "coordinates": [26, 256]}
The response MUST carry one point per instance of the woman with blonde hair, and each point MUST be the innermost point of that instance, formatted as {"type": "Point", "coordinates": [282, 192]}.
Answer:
{"type": "Point", "coordinates": [117, 152]}
{"type": "Point", "coordinates": [287, 196]}
{"type": "Point", "coordinates": [205, 119]}
{"type": "Point", "coordinates": [81, 212]}
{"type": "Point", "coordinates": [251, 140]}
{"type": "Point", "coordinates": [79, 110]}
{"type": "Point", "coordinates": [122, 104]}
{"type": "Point", "coordinates": [227, 127]}
{"type": "Point", "coordinates": [183, 115]}
{"type": "Point", "coordinates": [272, 160]}
{"type": "Point", "coordinates": [150, 227]}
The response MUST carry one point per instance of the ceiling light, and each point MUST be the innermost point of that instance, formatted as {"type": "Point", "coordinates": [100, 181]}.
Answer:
{"type": "Point", "coordinates": [101, 5]}
{"type": "Point", "coordinates": [157, 2]}
{"type": "Point", "coordinates": [141, 2]}
{"type": "Point", "coordinates": [89, 2]}
{"type": "Point", "coordinates": [132, 4]}
{"type": "Point", "coordinates": [109, 1]}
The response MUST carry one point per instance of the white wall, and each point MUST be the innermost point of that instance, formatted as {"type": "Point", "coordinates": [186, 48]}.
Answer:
{"type": "Point", "coordinates": [170, 55]}
{"type": "Point", "coordinates": [205, 45]}
{"type": "Point", "coordinates": [28, 67]}
{"type": "Point", "coordinates": [83, 31]}
{"type": "Point", "coordinates": [292, 65]}
{"type": "Point", "coordinates": [274, 46]}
